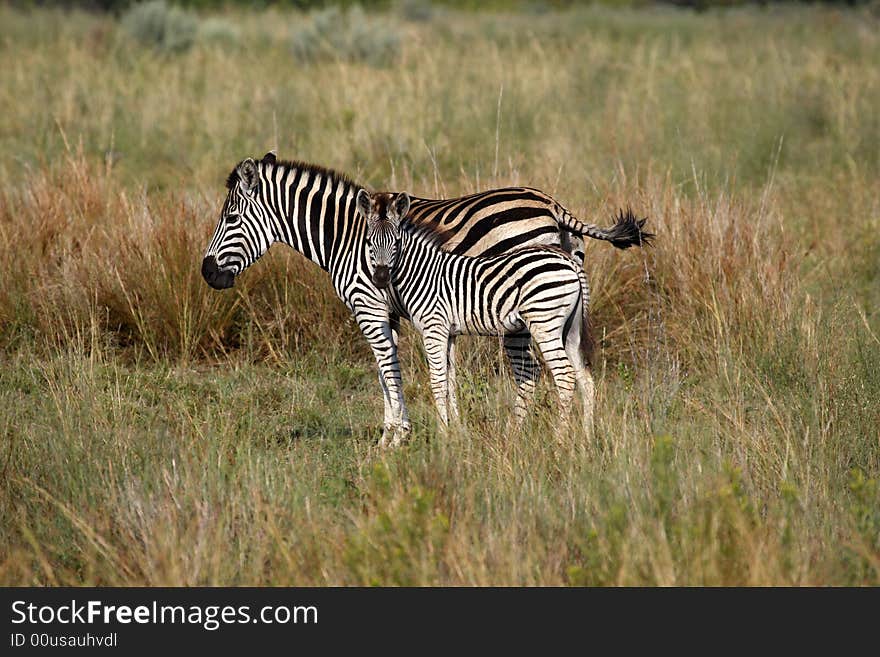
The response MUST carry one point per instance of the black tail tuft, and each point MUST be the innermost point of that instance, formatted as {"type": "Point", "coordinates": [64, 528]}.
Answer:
{"type": "Point", "coordinates": [629, 231]}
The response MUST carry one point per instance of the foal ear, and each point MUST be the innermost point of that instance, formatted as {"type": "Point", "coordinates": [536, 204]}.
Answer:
{"type": "Point", "coordinates": [247, 175]}
{"type": "Point", "coordinates": [269, 158]}
{"type": "Point", "coordinates": [363, 203]}
{"type": "Point", "coordinates": [401, 206]}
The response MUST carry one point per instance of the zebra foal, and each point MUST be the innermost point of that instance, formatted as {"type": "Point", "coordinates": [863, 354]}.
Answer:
{"type": "Point", "coordinates": [539, 289]}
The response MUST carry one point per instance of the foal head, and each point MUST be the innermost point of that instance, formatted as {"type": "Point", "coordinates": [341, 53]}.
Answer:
{"type": "Point", "coordinates": [384, 213]}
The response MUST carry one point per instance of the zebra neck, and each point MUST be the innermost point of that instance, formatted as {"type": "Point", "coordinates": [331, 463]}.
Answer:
{"type": "Point", "coordinates": [311, 208]}
{"type": "Point", "coordinates": [418, 258]}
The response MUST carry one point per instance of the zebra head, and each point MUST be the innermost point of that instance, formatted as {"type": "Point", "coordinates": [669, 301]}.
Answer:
{"type": "Point", "coordinates": [383, 213]}
{"type": "Point", "coordinates": [245, 230]}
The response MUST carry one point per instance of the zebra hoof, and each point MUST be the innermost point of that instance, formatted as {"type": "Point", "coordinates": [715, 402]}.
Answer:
{"type": "Point", "coordinates": [394, 436]}
{"type": "Point", "coordinates": [389, 432]}
{"type": "Point", "coordinates": [401, 436]}
{"type": "Point", "coordinates": [387, 438]}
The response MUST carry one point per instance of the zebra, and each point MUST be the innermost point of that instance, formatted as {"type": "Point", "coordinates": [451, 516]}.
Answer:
{"type": "Point", "coordinates": [312, 209]}
{"type": "Point", "coordinates": [539, 289]}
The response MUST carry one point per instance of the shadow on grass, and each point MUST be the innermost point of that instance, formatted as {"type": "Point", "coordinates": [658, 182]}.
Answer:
{"type": "Point", "coordinates": [316, 424]}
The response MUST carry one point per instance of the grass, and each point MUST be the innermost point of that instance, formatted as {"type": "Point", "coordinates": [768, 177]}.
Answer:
{"type": "Point", "coordinates": [147, 420]}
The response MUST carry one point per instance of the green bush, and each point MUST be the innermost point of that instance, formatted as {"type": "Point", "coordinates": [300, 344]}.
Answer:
{"type": "Point", "coordinates": [219, 32]}
{"type": "Point", "coordinates": [346, 35]}
{"type": "Point", "coordinates": [418, 11]}
{"type": "Point", "coordinates": [155, 24]}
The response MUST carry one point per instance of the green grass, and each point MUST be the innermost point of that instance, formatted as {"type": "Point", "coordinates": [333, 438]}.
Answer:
{"type": "Point", "coordinates": [157, 432]}
{"type": "Point", "coordinates": [241, 473]}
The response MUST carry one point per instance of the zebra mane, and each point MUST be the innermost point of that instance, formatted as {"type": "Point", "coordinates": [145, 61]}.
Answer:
{"type": "Point", "coordinates": [232, 178]}
{"type": "Point", "coordinates": [335, 176]}
{"type": "Point", "coordinates": [427, 233]}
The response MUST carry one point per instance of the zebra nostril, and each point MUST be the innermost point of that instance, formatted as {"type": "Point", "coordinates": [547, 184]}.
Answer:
{"type": "Point", "coordinates": [209, 267]}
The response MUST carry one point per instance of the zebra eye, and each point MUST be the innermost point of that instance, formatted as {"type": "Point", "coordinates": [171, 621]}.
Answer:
{"type": "Point", "coordinates": [231, 218]}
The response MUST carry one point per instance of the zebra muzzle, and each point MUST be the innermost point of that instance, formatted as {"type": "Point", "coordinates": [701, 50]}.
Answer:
{"type": "Point", "coordinates": [381, 276]}
{"type": "Point", "coordinates": [219, 279]}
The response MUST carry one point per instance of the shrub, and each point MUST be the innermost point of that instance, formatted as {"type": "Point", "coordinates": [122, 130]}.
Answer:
{"type": "Point", "coordinates": [346, 35]}
{"type": "Point", "coordinates": [219, 32]}
{"type": "Point", "coordinates": [418, 11]}
{"type": "Point", "coordinates": [155, 24]}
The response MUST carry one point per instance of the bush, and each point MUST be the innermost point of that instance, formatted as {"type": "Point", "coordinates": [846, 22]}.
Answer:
{"type": "Point", "coordinates": [155, 24]}
{"type": "Point", "coordinates": [418, 11]}
{"type": "Point", "coordinates": [347, 35]}
{"type": "Point", "coordinates": [219, 32]}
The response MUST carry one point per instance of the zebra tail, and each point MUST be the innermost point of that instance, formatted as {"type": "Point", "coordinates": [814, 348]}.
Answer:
{"type": "Point", "coordinates": [588, 344]}
{"type": "Point", "coordinates": [627, 231]}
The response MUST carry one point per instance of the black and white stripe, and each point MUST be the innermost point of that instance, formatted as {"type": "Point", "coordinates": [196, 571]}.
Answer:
{"type": "Point", "coordinates": [312, 210]}
{"type": "Point", "coordinates": [538, 289]}
{"type": "Point", "coordinates": [498, 220]}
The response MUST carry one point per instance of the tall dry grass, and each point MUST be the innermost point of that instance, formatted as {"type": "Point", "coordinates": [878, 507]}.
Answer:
{"type": "Point", "coordinates": [81, 250]}
{"type": "Point", "coordinates": [156, 432]}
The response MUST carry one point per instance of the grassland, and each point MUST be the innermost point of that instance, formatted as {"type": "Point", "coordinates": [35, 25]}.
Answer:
{"type": "Point", "coordinates": [156, 432]}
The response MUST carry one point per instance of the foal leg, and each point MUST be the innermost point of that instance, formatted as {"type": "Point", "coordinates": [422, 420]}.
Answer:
{"type": "Point", "coordinates": [585, 384]}
{"type": "Point", "coordinates": [450, 379]}
{"type": "Point", "coordinates": [436, 341]}
{"type": "Point", "coordinates": [556, 358]}
{"type": "Point", "coordinates": [582, 373]}
{"type": "Point", "coordinates": [388, 425]}
{"type": "Point", "coordinates": [526, 370]}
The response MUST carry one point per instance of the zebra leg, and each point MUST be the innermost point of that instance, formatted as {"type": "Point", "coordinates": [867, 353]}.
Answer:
{"type": "Point", "coordinates": [404, 428]}
{"type": "Point", "coordinates": [557, 360]}
{"type": "Point", "coordinates": [587, 388]}
{"type": "Point", "coordinates": [450, 377]}
{"type": "Point", "coordinates": [583, 375]}
{"type": "Point", "coordinates": [394, 320]}
{"type": "Point", "coordinates": [388, 421]}
{"type": "Point", "coordinates": [526, 371]}
{"type": "Point", "coordinates": [390, 417]}
{"type": "Point", "coordinates": [378, 332]}
{"type": "Point", "coordinates": [436, 343]}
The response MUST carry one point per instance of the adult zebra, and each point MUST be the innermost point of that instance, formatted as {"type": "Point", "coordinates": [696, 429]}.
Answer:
{"type": "Point", "coordinates": [312, 209]}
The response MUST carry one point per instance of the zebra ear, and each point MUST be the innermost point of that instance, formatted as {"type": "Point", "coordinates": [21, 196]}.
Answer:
{"type": "Point", "coordinates": [401, 206]}
{"type": "Point", "coordinates": [269, 157]}
{"type": "Point", "coordinates": [247, 175]}
{"type": "Point", "coordinates": [363, 203]}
